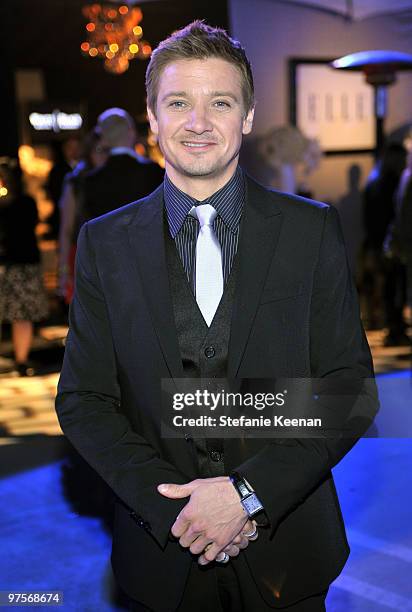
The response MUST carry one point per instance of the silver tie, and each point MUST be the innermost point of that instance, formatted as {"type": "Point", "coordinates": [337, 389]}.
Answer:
{"type": "Point", "coordinates": [209, 274]}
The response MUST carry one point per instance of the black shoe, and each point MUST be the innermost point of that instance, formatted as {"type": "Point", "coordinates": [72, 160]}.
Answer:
{"type": "Point", "coordinates": [25, 369]}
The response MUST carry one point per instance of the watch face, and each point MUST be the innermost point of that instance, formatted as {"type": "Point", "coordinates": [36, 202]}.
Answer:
{"type": "Point", "coordinates": [252, 504]}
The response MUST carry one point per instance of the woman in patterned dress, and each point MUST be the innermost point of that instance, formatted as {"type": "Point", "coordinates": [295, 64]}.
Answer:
{"type": "Point", "coordinates": [23, 299]}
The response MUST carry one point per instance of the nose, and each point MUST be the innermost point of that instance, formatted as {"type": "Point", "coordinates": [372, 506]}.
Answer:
{"type": "Point", "coordinates": [198, 121]}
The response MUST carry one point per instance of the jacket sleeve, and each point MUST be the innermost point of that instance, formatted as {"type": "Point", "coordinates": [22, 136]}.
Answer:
{"type": "Point", "coordinates": [285, 471]}
{"type": "Point", "coordinates": [88, 401]}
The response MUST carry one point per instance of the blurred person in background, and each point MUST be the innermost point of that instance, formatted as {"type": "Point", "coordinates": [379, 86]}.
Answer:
{"type": "Point", "coordinates": [126, 176]}
{"type": "Point", "coordinates": [378, 213]}
{"type": "Point", "coordinates": [23, 299]}
{"type": "Point", "coordinates": [67, 156]}
{"type": "Point", "coordinates": [398, 251]}
{"type": "Point", "coordinates": [405, 216]}
{"type": "Point", "coordinates": [71, 209]}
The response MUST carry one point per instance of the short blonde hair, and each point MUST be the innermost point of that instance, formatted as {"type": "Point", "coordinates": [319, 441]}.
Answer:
{"type": "Point", "coordinates": [114, 127]}
{"type": "Point", "coordinates": [199, 41]}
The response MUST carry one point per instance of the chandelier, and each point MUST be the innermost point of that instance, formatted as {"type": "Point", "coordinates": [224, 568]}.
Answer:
{"type": "Point", "coordinates": [114, 34]}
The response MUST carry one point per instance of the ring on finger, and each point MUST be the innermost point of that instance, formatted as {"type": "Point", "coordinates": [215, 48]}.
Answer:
{"type": "Point", "coordinates": [251, 536]}
{"type": "Point", "coordinates": [224, 559]}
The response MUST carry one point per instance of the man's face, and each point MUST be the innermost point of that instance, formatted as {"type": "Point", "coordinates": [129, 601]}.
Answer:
{"type": "Point", "coordinates": [200, 118]}
{"type": "Point", "coordinates": [71, 149]}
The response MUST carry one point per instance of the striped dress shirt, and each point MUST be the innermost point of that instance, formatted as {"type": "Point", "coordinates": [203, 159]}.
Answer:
{"type": "Point", "coordinates": [183, 228]}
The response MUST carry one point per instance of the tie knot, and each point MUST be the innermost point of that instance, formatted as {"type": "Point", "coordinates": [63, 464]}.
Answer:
{"type": "Point", "coordinates": [204, 213]}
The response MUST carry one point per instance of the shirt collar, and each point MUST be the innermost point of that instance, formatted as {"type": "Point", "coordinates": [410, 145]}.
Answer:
{"type": "Point", "coordinates": [126, 151]}
{"type": "Point", "coordinates": [228, 202]}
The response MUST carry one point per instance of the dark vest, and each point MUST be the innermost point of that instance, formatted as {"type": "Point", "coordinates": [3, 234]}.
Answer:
{"type": "Point", "coordinates": [203, 349]}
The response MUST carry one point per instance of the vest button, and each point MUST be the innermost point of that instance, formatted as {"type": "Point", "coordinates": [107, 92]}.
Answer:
{"type": "Point", "coordinates": [215, 455]}
{"type": "Point", "coordinates": [210, 352]}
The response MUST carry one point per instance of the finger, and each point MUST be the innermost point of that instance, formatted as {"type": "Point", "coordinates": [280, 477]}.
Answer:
{"type": "Point", "coordinates": [178, 528]}
{"type": "Point", "coordinates": [249, 527]}
{"type": "Point", "coordinates": [180, 525]}
{"type": "Point", "coordinates": [219, 558]}
{"type": "Point", "coordinates": [252, 528]}
{"type": "Point", "coordinates": [199, 545]}
{"type": "Point", "coordinates": [177, 491]}
{"type": "Point", "coordinates": [210, 554]}
{"type": "Point", "coordinates": [231, 550]}
{"type": "Point", "coordinates": [243, 544]}
{"type": "Point", "coordinates": [240, 541]}
{"type": "Point", "coordinates": [202, 560]}
{"type": "Point", "coordinates": [189, 536]}
{"type": "Point", "coordinates": [222, 557]}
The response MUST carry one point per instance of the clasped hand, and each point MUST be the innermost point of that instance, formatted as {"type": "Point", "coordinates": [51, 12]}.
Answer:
{"type": "Point", "coordinates": [212, 518]}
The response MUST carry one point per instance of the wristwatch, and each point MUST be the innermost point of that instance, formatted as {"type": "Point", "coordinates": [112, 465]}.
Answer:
{"type": "Point", "coordinates": [248, 497]}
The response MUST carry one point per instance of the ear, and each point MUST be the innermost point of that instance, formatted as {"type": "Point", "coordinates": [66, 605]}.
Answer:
{"type": "Point", "coordinates": [153, 121]}
{"type": "Point", "coordinates": [248, 121]}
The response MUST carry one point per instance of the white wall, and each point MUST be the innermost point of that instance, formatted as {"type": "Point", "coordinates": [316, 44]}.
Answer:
{"type": "Point", "coordinates": [273, 31]}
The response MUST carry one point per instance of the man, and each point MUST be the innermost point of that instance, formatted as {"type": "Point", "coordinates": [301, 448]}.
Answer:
{"type": "Point", "coordinates": [126, 176]}
{"type": "Point", "coordinates": [383, 278]}
{"type": "Point", "coordinates": [405, 226]}
{"type": "Point", "coordinates": [398, 251]}
{"type": "Point", "coordinates": [66, 157]}
{"type": "Point", "coordinates": [274, 298]}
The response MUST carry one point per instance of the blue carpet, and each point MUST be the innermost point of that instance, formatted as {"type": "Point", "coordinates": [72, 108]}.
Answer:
{"type": "Point", "coordinates": [48, 546]}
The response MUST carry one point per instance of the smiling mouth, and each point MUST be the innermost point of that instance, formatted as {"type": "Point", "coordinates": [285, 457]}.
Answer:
{"type": "Point", "coordinates": [197, 145]}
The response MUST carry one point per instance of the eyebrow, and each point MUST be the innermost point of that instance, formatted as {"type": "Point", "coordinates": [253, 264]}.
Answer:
{"type": "Point", "coordinates": [213, 94]}
{"type": "Point", "coordinates": [224, 94]}
{"type": "Point", "coordinates": [174, 94]}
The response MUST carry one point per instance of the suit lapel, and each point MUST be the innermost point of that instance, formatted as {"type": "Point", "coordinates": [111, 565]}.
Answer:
{"type": "Point", "coordinates": [147, 244]}
{"type": "Point", "coordinates": [259, 234]}
{"type": "Point", "coordinates": [258, 238]}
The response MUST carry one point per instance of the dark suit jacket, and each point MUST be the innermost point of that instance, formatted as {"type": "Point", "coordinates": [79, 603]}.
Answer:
{"type": "Point", "coordinates": [404, 229]}
{"type": "Point", "coordinates": [122, 179]}
{"type": "Point", "coordinates": [295, 315]}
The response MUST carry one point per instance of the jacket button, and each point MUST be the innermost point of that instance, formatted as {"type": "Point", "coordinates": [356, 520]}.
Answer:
{"type": "Point", "coordinates": [210, 352]}
{"type": "Point", "coordinates": [215, 455]}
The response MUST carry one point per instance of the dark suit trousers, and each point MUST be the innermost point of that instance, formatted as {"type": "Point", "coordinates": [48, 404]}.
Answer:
{"type": "Point", "coordinates": [216, 588]}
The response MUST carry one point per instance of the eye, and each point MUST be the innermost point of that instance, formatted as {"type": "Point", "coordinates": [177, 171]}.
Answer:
{"type": "Point", "coordinates": [177, 104]}
{"type": "Point", "coordinates": [222, 104]}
